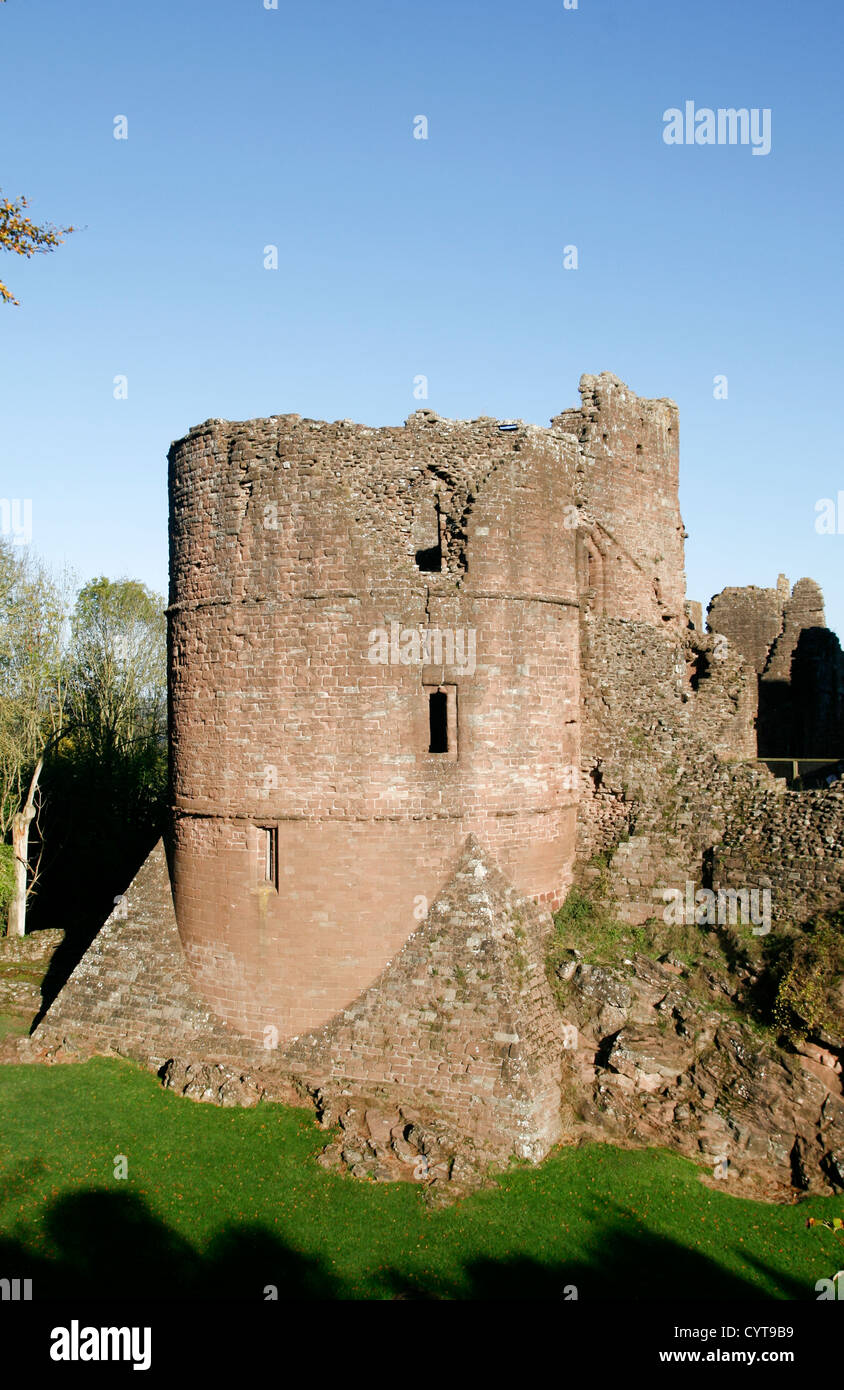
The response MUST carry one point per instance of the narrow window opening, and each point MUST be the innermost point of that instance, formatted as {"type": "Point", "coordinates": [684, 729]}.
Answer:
{"type": "Point", "coordinates": [700, 670]}
{"type": "Point", "coordinates": [268, 851]}
{"type": "Point", "coordinates": [438, 716]}
{"type": "Point", "coordinates": [429, 558]}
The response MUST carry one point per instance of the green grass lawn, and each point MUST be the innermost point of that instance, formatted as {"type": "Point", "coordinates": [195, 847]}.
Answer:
{"type": "Point", "coordinates": [224, 1202]}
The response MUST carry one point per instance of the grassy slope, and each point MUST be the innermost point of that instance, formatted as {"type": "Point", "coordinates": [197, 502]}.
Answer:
{"type": "Point", "coordinates": [224, 1202]}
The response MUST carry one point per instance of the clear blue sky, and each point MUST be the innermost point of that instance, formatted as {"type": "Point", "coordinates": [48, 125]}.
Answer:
{"type": "Point", "coordinates": [444, 257]}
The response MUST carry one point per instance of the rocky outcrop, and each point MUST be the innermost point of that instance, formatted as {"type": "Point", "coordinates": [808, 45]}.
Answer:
{"type": "Point", "coordinates": [654, 1064]}
{"type": "Point", "coordinates": [671, 807]}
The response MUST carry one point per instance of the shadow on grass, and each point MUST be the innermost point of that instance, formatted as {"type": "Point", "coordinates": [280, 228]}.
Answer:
{"type": "Point", "coordinates": [108, 1245]}
{"type": "Point", "coordinates": [634, 1268]}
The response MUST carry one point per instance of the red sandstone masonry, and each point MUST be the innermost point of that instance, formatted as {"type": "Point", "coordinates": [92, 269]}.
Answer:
{"type": "Point", "coordinates": [131, 992]}
{"type": "Point", "coordinates": [627, 483]}
{"type": "Point", "coordinates": [292, 541]}
{"type": "Point", "coordinates": [782, 633]}
{"type": "Point", "coordinates": [462, 1021]}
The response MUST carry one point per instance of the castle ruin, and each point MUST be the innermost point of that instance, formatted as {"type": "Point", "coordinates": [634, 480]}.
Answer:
{"type": "Point", "coordinates": [319, 794]}
{"type": "Point", "coordinates": [422, 680]}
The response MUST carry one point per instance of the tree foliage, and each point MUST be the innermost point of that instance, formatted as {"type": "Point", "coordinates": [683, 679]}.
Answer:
{"type": "Point", "coordinates": [83, 696]}
{"type": "Point", "coordinates": [20, 235]}
{"type": "Point", "coordinates": [118, 691]}
{"type": "Point", "coordinates": [33, 677]}
{"type": "Point", "coordinates": [33, 696]}
{"type": "Point", "coordinates": [105, 787]}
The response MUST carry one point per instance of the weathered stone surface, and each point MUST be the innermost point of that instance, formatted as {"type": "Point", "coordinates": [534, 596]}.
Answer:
{"type": "Point", "coordinates": [666, 795]}
{"type": "Point", "coordinates": [216, 1083]}
{"type": "Point", "coordinates": [799, 663]}
{"type": "Point", "coordinates": [599, 738]}
{"type": "Point", "coordinates": [24, 962]}
{"type": "Point", "coordinates": [292, 542]}
{"type": "Point", "coordinates": [751, 619]}
{"type": "Point", "coordinates": [131, 993]}
{"type": "Point", "coordinates": [38, 946]}
{"type": "Point", "coordinates": [673, 1070]}
{"type": "Point", "coordinates": [462, 1024]}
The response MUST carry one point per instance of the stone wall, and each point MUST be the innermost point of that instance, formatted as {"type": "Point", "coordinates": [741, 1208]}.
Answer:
{"type": "Point", "coordinates": [668, 794]}
{"type": "Point", "coordinates": [293, 543]}
{"type": "Point", "coordinates": [280, 719]}
{"type": "Point", "coordinates": [463, 1020]}
{"type": "Point", "coordinates": [791, 842]}
{"type": "Point", "coordinates": [627, 483]}
{"type": "Point", "coordinates": [131, 993]}
{"type": "Point", "coordinates": [751, 619]}
{"type": "Point", "coordinates": [462, 1026]}
{"type": "Point", "coordinates": [658, 704]}
{"type": "Point", "coordinates": [24, 964]}
{"type": "Point", "coordinates": [783, 635]}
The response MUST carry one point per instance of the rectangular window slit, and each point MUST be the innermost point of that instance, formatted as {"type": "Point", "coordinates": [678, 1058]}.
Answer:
{"type": "Point", "coordinates": [268, 847]}
{"type": "Point", "coordinates": [438, 715]}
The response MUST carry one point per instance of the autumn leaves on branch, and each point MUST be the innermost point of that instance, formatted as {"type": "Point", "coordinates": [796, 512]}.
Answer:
{"type": "Point", "coordinates": [18, 233]}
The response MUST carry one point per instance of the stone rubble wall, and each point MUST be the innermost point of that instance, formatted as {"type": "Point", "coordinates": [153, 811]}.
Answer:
{"type": "Point", "coordinates": [668, 795]}
{"type": "Point", "coordinates": [131, 993]}
{"type": "Point", "coordinates": [791, 842]}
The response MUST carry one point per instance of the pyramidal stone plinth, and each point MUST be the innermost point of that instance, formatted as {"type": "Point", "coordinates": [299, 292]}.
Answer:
{"type": "Point", "coordinates": [461, 1026]}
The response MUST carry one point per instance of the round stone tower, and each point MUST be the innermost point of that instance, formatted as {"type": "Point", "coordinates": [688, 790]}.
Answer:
{"type": "Point", "coordinates": [374, 652]}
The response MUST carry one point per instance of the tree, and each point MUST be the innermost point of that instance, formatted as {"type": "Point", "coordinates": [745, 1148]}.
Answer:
{"type": "Point", "coordinates": [33, 694]}
{"type": "Point", "coordinates": [118, 673]}
{"type": "Point", "coordinates": [104, 786]}
{"type": "Point", "coordinates": [114, 760]}
{"type": "Point", "coordinates": [83, 701]}
{"type": "Point", "coordinates": [18, 233]}
{"type": "Point", "coordinates": [23, 236]}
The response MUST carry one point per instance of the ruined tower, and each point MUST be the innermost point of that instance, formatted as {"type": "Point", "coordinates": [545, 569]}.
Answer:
{"type": "Point", "coordinates": [421, 680]}
{"type": "Point", "coordinates": [374, 653]}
